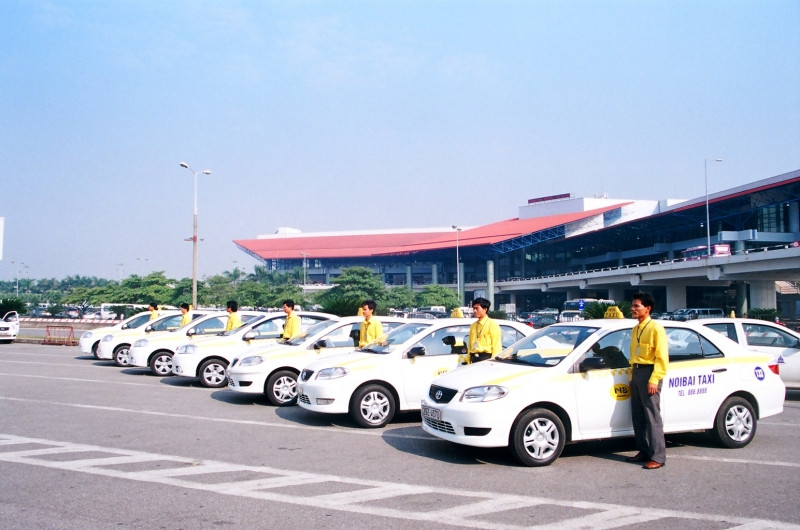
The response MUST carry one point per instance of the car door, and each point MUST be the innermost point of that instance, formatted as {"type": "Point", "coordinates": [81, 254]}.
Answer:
{"type": "Point", "coordinates": [780, 344]}
{"type": "Point", "coordinates": [442, 347]}
{"type": "Point", "coordinates": [696, 381]}
{"type": "Point", "coordinates": [602, 395]}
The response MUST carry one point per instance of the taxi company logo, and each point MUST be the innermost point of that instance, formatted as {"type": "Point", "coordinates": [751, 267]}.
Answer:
{"type": "Point", "coordinates": [759, 373]}
{"type": "Point", "coordinates": [620, 392]}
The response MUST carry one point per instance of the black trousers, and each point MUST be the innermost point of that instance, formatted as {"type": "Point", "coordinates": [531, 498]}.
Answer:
{"type": "Point", "coordinates": [648, 426]}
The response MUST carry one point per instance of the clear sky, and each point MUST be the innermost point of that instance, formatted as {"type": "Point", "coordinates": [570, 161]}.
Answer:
{"type": "Point", "coordinates": [347, 115]}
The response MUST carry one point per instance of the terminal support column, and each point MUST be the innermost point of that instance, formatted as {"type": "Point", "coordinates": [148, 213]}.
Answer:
{"type": "Point", "coordinates": [762, 294]}
{"type": "Point", "coordinates": [490, 283]}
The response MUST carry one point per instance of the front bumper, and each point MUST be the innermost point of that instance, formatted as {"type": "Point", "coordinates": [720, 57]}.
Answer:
{"type": "Point", "coordinates": [476, 424]}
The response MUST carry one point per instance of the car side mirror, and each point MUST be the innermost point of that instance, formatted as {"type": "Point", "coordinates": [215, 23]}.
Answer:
{"type": "Point", "coordinates": [321, 343]}
{"type": "Point", "coordinates": [191, 332]}
{"type": "Point", "coordinates": [250, 335]}
{"type": "Point", "coordinates": [416, 351]}
{"type": "Point", "coordinates": [449, 340]}
{"type": "Point", "coordinates": [355, 334]}
{"type": "Point", "coordinates": [593, 363]}
{"type": "Point", "coordinates": [148, 329]}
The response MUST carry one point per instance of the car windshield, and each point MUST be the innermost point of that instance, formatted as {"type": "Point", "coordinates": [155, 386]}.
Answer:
{"type": "Point", "coordinates": [397, 336]}
{"type": "Point", "coordinates": [548, 346]}
{"type": "Point", "coordinates": [314, 330]}
{"type": "Point", "coordinates": [246, 319]}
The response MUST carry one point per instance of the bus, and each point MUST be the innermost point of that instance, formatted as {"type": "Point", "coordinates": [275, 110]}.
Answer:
{"type": "Point", "coordinates": [719, 250]}
{"type": "Point", "coordinates": [578, 304]}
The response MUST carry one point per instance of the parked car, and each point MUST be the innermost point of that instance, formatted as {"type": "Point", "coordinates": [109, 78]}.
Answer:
{"type": "Point", "coordinates": [776, 340]}
{"type": "Point", "coordinates": [541, 321]}
{"type": "Point", "coordinates": [274, 370]}
{"type": "Point", "coordinates": [9, 327]}
{"type": "Point", "coordinates": [561, 385]}
{"type": "Point", "coordinates": [90, 340]}
{"type": "Point", "coordinates": [208, 359]}
{"type": "Point", "coordinates": [393, 374]}
{"type": "Point", "coordinates": [114, 346]}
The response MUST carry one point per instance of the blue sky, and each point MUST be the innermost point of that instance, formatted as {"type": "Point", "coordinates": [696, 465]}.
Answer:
{"type": "Point", "coordinates": [355, 115]}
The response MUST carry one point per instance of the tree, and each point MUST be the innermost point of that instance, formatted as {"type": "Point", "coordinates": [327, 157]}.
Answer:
{"type": "Point", "coordinates": [400, 298]}
{"type": "Point", "coordinates": [437, 295]}
{"type": "Point", "coordinates": [355, 285]}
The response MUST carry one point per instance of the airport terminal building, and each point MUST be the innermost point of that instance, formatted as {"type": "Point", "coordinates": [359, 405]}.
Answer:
{"type": "Point", "coordinates": [562, 247]}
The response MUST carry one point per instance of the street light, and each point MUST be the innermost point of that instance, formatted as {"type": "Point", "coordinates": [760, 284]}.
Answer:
{"type": "Point", "coordinates": [458, 267]}
{"type": "Point", "coordinates": [194, 232]}
{"type": "Point", "coordinates": [305, 258]}
{"type": "Point", "coordinates": [708, 217]}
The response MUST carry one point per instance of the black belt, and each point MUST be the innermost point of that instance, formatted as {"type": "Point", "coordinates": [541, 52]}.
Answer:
{"type": "Point", "coordinates": [641, 365]}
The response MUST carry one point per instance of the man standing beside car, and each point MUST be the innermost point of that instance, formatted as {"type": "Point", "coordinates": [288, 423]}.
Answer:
{"type": "Point", "coordinates": [234, 320]}
{"type": "Point", "coordinates": [187, 317]}
{"type": "Point", "coordinates": [291, 328]}
{"type": "Point", "coordinates": [371, 328]}
{"type": "Point", "coordinates": [153, 308]}
{"type": "Point", "coordinates": [485, 337]}
{"type": "Point", "coordinates": [649, 363]}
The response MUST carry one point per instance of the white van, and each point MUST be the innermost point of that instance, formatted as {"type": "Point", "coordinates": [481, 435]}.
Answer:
{"type": "Point", "coordinates": [697, 313]}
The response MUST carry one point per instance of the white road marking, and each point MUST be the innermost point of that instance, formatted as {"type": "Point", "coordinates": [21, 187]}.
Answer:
{"type": "Point", "coordinates": [355, 501]}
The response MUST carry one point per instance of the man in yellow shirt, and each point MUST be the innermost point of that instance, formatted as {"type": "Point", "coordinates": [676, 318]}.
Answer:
{"type": "Point", "coordinates": [649, 364]}
{"type": "Point", "coordinates": [291, 328]}
{"type": "Point", "coordinates": [371, 328]}
{"type": "Point", "coordinates": [187, 317]}
{"type": "Point", "coordinates": [153, 308]}
{"type": "Point", "coordinates": [485, 337]}
{"type": "Point", "coordinates": [234, 320]}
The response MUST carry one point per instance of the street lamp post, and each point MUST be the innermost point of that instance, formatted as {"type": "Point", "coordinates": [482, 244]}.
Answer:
{"type": "Point", "coordinates": [305, 258]}
{"type": "Point", "coordinates": [708, 216]}
{"type": "Point", "coordinates": [194, 232]}
{"type": "Point", "coordinates": [458, 267]}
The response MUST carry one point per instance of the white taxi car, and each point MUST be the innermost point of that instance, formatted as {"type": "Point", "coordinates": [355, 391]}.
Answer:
{"type": "Point", "coordinates": [570, 382]}
{"type": "Point", "coordinates": [274, 371]}
{"type": "Point", "coordinates": [156, 351]}
{"type": "Point", "coordinates": [778, 341]}
{"type": "Point", "coordinates": [9, 327]}
{"type": "Point", "coordinates": [115, 345]}
{"type": "Point", "coordinates": [208, 359]}
{"type": "Point", "coordinates": [90, 340]}
{"type": "Point", "coordinates": [392, 374]}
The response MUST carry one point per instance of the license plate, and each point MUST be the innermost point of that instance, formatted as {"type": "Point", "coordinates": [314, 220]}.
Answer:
{"type": "Point", "coordinates": [430, 413]}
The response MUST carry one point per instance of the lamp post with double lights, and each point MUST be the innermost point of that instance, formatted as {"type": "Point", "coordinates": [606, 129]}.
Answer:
{"type": "Point", "coordinates": [194, 232]}
{"type": "Point", "coordinates": [458, 267]}
{"type": "Point", "coordinates": [708, 216]}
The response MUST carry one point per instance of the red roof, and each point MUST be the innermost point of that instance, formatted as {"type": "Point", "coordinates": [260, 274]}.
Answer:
{"type": "Point", "coordinates": [366, 245]}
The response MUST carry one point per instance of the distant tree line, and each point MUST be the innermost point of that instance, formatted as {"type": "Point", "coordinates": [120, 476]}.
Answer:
{"type": "Point", "coordinates": [261, 288]}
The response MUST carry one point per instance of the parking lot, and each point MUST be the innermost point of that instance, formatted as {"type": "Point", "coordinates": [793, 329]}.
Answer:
{"type": "Point", "coordinates": [86, 444]}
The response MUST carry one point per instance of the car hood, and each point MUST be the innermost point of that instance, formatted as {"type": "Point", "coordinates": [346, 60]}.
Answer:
{"type": "Point", "coordinates": [505, 374]}
{"type": "Point", "coordinates": [353, 360]}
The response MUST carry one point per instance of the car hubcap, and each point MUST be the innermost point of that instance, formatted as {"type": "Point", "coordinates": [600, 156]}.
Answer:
{"type": "Point", "coordinates": [541, 438]}
{"type": "Point", "coordinates": [214, 374]}
{"type": "Point", "coordinates": [163, 364]}
{"type": "Point", "coordinates": [285, 389]}
{"type": "Point", "coordinates": [739, 423]}
{"type": "Point", "coordinates": [374, 407]}
{"type": "Point", "coordinates": [122, 357]}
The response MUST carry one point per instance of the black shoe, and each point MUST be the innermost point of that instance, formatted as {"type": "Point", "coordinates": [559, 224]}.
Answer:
{"type": "Point", "coordinates": [638, 457]}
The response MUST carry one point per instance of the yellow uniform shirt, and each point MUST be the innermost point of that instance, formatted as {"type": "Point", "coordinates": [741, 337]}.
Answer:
{"type": "Point", "coordinates": [186, 318]}
{"type": "Point", "coordinates": [234, 321]}
{"type": "Point", "coordinates": [371, 331]}
{"type": "Point", "coordinates": [154, 314]}
{"type": "Point", "coordinates": [291, 328]}
{"type": "Point", "coordinates": [485, 337]}
{"type": "Point", "coordinates": [649, 346]}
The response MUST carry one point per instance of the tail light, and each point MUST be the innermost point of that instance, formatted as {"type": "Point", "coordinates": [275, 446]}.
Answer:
{"type": "Point", "coordinates": [775, 369]}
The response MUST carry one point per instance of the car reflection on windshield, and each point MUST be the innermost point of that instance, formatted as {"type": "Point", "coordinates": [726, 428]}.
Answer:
{"type": "Point", "coordinates": [547, 347]}
{"type": "Point", "coordinates": [397, 336]}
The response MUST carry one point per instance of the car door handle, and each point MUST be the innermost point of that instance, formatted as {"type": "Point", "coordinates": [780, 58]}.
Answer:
{"type": "Point", "coordinates": [718, 370]}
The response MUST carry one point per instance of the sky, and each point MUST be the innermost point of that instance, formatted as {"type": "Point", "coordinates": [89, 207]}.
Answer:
{"type": "Point", "coordinates": [355, 115]}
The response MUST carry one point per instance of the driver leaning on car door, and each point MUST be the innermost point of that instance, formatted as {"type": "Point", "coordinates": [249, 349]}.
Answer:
{"type": "Point", "coordinates": [485, 337]}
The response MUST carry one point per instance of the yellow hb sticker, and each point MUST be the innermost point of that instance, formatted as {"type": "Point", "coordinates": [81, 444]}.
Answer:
{"type": "Point", "coordinates": [441, 371]}
{"type": "Point", "coordinates": [620, 391]}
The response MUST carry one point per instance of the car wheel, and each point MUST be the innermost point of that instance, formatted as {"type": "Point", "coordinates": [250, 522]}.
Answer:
{"type": "Point", "coordinates": [121, 355]}
{"type": "Point", "coordinates": [372, 406]}
{"type": "Point", "coordinates": [212, 373]}
{"type": "Point", "coordinates": [94, 349]}
{"type": "Point", "coordinates": [161, 363]}
{"type": "Point", "coordinates": [537, 437]}
{"type": "Point", "coordinates": [735, 424]}
{"type": "Point", "coordinates": [281, 388]}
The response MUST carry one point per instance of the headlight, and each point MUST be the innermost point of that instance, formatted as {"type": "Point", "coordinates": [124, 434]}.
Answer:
{"type": "Point", "coordinates": [187, 348]}
{"type": "Point", "coordinates": [108, 338]}
{"type": "Point", "coordinates": [484, 393]}
{"type": "Point", "coordinates": [332, 373]}
{"type": "Point", "coordinates": [141, 343]}
{"type": "Point", "coordinates": [87, 335]}
{"type": "Point", "coordinates": [251, 361]}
